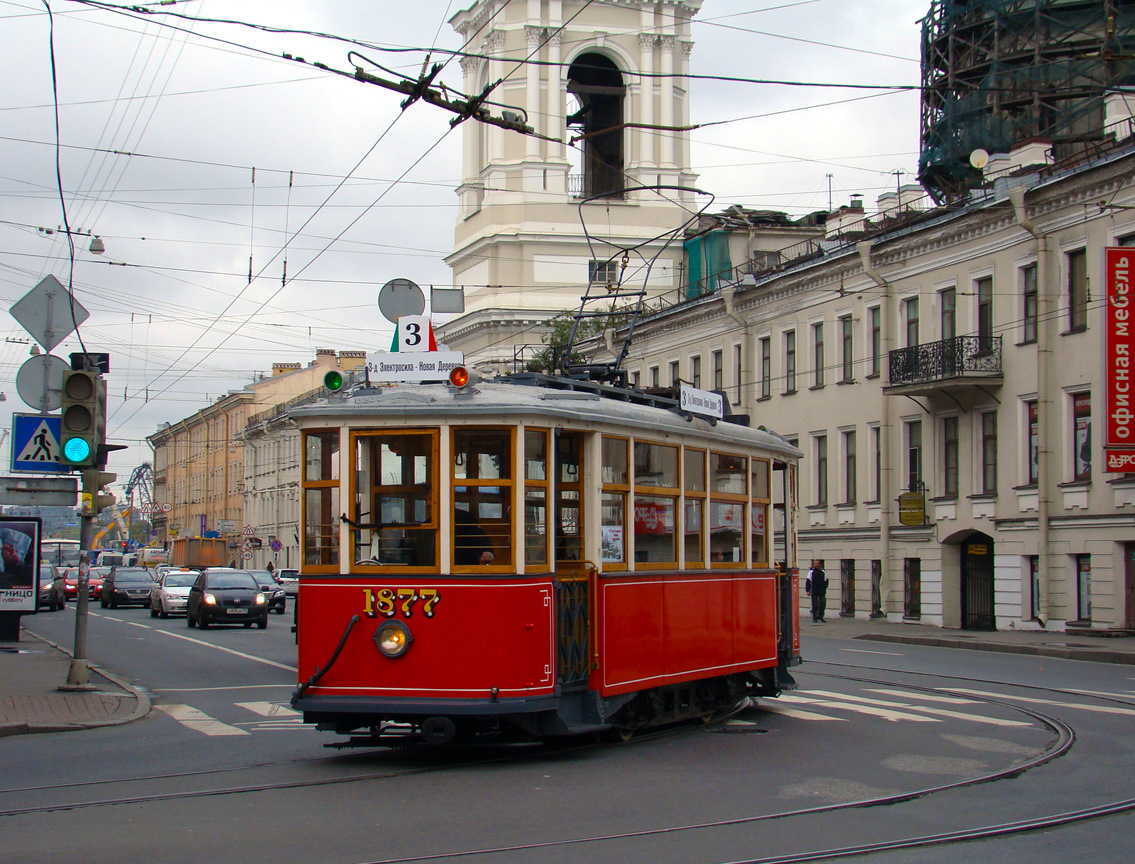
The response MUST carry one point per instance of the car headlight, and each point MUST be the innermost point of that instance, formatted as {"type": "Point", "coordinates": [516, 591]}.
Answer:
{"type": "Point", "coordinates": [393, 639]}
{"type": "Point", "coordinates": [210, 599]}
{"type": "Point", "coordinates": [260, 600]}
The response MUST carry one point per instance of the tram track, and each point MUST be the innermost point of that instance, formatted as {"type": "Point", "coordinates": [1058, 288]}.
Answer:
{"type": "Point", "coordinates": [1061, 746]}
{"type": "Point", "coordinates": [1063, 741]}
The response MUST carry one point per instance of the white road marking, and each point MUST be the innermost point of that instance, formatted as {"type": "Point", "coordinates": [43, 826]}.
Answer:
{"type": "Point", "coordinates": [270, 709]}
{"type": "Point", "coordinates": [893, 716]}
{"type": "Point", "coordinates": [226, 650]}
{"type": "Point", "coordinates": [797, 714]}
{"type": "Point", "coordinates": [926, 709]}
{"type": "Point", "coordinates": [1098, 709]}
{"type": "Point", "coordinates": [199, 721]}
{"type": "Point", "coordinates": [861, 651]}
{"type": "Point", "coordinates": [911, 694]}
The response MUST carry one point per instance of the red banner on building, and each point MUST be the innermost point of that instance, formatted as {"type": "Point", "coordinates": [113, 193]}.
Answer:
{"type": "Point", "coordinates": [1119, 347]}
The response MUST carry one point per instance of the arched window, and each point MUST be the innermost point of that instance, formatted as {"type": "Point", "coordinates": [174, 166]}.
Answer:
{"type": "Point", "coordinates": [596, 83]}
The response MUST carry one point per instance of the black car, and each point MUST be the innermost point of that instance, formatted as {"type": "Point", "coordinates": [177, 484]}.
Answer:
{"type": "Point", "coordinates": [222, 595]}
{"type": "Point", "coordinates": [126, 586]}
{"type": "Point", "coordinates": [277, 599]}
{"type": "Point", "coordinates": [52, 587]}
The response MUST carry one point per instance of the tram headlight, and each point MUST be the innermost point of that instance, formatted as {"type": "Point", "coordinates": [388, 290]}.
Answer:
{"type": "Point", "coordinates": [393, 639]}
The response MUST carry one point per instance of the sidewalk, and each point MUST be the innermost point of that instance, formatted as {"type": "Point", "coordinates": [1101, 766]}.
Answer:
{"type": "Point", "coordinates": [31, 672]}
{"type": "Point", "coordinates": [1104, 648]}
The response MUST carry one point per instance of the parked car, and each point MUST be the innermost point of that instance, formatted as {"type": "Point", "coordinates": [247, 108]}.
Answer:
{"type": "Point", "coordinates": [126, 586]}
{"type": "Point", "coordinates": [289, 580]}
{"type": "Point", "coordinates": [52, 592]}
{"type": "Point", "coordinates": [277, 599]}
{"type": "Point", "coordinates": [223, 595]}
{"type": "Point", "coordinates": [170, 594]}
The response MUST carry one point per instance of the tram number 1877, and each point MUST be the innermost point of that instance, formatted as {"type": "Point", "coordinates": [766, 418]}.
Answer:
{"type": "Point", "coordinates": [388, 602]}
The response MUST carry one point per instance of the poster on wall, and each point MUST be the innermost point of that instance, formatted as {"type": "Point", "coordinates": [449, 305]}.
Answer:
{"type": "Point", "coordinates": [19, 555]}
{"type": "Point", "coordinates": [1119, 347]}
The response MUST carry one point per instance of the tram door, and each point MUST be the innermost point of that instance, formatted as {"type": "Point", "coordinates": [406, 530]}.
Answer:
{"type": "Point", "coordinates": [572, 572]}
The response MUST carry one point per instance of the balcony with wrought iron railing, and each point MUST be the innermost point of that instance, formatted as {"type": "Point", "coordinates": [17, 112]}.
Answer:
{"type": "Point", "coordinates": [951, 364]}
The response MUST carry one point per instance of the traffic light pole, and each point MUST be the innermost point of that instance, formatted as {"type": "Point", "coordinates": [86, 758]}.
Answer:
{"type": "Point", "coordinates": [79, 674]}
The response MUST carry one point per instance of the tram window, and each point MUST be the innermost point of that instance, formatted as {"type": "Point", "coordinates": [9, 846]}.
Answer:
{"type": "Point", "coordinates": [727, 532]}
{"type": "Point", "coordinates": [693, 482]}
{"type": "Point", "coordinates": [614, 520]}
{"type": "Point", "coordinates": [760, 533]}
{"type": "Point", "coordinates": [569, 526]}
{"type": "Point", "coordinates": [655, 465]}
{"type": "Point", "coordinates": [727, 473]}
{"type": "Point", "coordinates": [395, 509]}
{"type": "Point", "coordinates": [482, 504]}
{"type": "Point", "coordinates": [654, 535]}
{"type": "Point", "coordinates": [613, 505]}
{"type": "Point", "coordinates": [321, 455]}
{"type": "Point", "coordinates": [321, 516]}
{"type": "Point", "coordinates": [695, 533]}
{"type": "Point", "coordinates": [482, 454]}
{"type": "Point", "coordinates": [760, 479]}
{"type": "Point", "coordinates": [536, 499]}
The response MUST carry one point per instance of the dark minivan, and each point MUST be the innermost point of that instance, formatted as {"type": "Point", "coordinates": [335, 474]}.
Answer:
{"type": "Point", "coordinates": [222, 595]}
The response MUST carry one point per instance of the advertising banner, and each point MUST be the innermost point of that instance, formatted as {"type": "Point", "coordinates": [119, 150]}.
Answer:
{"type": "Point", "coordinates": [19, 563]}
{"type": "Point", "coordinates": [1119, 344]}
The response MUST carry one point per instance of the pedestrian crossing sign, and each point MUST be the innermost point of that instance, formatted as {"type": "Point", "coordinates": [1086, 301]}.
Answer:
{"type": "Point", "coordinates": [35, 443]}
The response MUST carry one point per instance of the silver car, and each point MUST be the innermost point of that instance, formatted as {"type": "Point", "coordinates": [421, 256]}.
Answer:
{"type": "Point", "coordinates": [169, 594]}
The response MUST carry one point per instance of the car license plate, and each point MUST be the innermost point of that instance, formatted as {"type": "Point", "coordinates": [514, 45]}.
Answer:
{"type": "Point", "coordinates": [238, 611]}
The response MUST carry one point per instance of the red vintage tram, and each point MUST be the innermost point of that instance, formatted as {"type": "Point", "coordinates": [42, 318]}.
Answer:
{"type": "Point", "coordinates": [534, 557]}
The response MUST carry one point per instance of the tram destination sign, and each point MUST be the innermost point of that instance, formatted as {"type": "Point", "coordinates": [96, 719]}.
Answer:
{"type": "Point", "coordinates": [704, 402]}
{"type": "Point", "coordinates": [402, 366]}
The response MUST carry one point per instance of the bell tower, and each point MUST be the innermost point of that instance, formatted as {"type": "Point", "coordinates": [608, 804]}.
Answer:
{"type": "Point", "coordinates": [604, 88]}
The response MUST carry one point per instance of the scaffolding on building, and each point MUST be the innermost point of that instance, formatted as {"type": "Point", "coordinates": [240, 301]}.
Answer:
{"type": "Point", "coordinates": [996, 73]}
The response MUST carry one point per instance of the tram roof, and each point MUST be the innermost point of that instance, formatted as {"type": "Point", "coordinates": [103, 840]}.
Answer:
{"type": "Point", "coordinates": [548, 399]}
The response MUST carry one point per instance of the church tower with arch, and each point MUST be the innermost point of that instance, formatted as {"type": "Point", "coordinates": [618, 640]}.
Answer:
{"type": "Point", "coordinates": [603, 85]}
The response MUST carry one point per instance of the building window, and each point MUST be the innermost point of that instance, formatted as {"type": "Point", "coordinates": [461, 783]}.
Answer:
{"type": "Point", "coordinates": [821, 445]}
{"type": "Point", "coordinates": [1078, 290]}
{"type": "Point", "coordinates": [635, 379]}
{"type": "Point", "coordinates": [766, 367]}
{"type": "Point", "coordinates": [847, 586]}
{"type": "Point", "coordinates": [675, 374]}
{"type": "Point", "coordinates": [985, 313]}
{"type": "Point", "coordinates": [1032, 415]}
{"type": "Point", "coordinates": [1033, 562]}
{"type": "Point", "coordinates": [876, 463]}
{"type": "Point", "coordinates": [849, 488]}
{"type": "Point", "coordinates": [1083, 587]}
{"type": "Point", "coordinates": [910, 314]}
{"type": "Point", "coordinates": [695, 371]}
{"type": "Point", "coordinates": [847, 345]}
{"type": "Point", "coordinates": [1029, 304]}
{"type": "Point", "coordinates": [718, 372]}
{"type": "Point", "coordinates": [914, 456]}
{"type": "Point", "coordinates": [989, 453]}
{"type": "Point", "coordinates": [1082, 437]}
{"type": "Point", "coordinates": [603, 272]}
{"type": "Point", "coordinates": [737, 372]}
{"type": "Point", "coordinates": [949, 313]}
{"type": "Point", "coordinates": [818, 353]}
{"type": "Point", "coordinates": [875, 315]}
{"type": "Point", "coordinates": [653, 376]}
{"type": "Point", "coordinates": [950, 456]}
{"type": "Point", "coordinates": [790, 361]}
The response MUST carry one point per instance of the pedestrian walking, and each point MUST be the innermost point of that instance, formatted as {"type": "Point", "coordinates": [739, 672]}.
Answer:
{"type": "Point", "coordinates": [816, 586]}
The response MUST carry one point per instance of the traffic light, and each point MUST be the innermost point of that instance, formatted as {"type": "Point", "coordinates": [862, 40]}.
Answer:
{"type": "Point", "coordinates": [94, 499]}
{"type": "Point", "coordinates": [83, 421]}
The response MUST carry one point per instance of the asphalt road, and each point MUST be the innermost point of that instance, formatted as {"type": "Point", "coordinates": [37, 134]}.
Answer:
{"type": "Point", "coordinates": [222, 769]}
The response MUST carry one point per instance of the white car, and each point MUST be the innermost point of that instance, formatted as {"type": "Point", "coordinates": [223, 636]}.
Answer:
{"type": "Point", "coordinates": [170, 593]}
{"type": "Point", "coordinates": [289, 580]}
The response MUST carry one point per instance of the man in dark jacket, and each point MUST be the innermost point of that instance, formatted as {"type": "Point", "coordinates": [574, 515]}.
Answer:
{"type": "Point", "coordinates": [816, 585]}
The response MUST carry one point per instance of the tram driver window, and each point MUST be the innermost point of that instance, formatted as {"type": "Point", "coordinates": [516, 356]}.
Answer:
{"type": "Point", "coordinates": [395, 519]}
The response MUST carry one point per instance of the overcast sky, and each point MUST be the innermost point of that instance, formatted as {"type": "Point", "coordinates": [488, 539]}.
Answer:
{"type": "Point", "coordinates": [161, 129]}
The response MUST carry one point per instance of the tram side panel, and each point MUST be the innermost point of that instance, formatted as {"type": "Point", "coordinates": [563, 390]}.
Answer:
{"type": "Point", "coordinates": [668, 629]}
{"type": "Point", "coordinates": [468, 637]}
